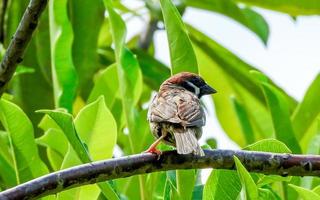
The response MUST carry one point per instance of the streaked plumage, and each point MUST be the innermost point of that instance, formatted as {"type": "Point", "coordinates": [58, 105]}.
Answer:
{"type": "Point", "coordinates": [176, 114]}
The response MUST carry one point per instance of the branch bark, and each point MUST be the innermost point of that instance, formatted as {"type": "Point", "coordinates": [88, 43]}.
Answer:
{"type": "Point", "coordinates": [20, 40]}
{"type": "Point", "coordinates": [260, 162]}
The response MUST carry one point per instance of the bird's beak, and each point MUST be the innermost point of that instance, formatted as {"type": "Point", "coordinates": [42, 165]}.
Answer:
{"type": "Point", "coordinates": [206, 89]}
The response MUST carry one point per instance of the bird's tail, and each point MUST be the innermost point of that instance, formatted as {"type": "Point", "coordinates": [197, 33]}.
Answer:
{"type": "Point", "coordinates": [186, 142]}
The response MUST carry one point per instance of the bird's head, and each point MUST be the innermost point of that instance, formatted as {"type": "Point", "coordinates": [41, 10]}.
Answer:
{"type": "Point", "coordinates": [191, 82]}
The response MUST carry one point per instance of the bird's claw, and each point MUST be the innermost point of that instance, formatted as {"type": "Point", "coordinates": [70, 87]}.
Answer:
{"type": "Point", "coordinates": [154, 151]}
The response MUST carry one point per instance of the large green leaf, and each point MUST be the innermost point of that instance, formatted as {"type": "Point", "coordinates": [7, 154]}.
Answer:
{"type": "Point", "coordinates": [294, 8]}
{"type": "Point", "coordinates": [106, 86]}
{"type": "Point", "coordinates": [185, 183]}
{"type": "Point", "coordinates": [250, 188]}
{"type": "Point", "coordinates": [182, 54]}
{"type": "Point", "coordinates": [305, 193]}
{"type": "Point", "coordinates": [84, 47]}
{"type": "Point", "coordinates": [307, 111]}
{"type": "Point", "coordinates": [269, 145]}
{"type": "Point", "coordinates": [244, 121]}
{"type": "Point", "coordinates": [42, 37]}
{"type": "Point", "coordinates": [129, 74]}
{"type": "Point", "coordinates": [280, 117]}
{"type": "Point", "coordinates": [222, 185]}
{"type": "Point", "coordinates": [7, 173]}
{"type": "Point", "coordinates": [97, 127]}
{"type": "Point", "coordinates": [61, 36]}
{"type": "Point", "coordinates": [245, 16]}
{"type": "Point", "coordinates": [27, 162]}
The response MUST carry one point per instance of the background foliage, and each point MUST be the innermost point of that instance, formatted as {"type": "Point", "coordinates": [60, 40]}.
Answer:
{"type": "Point", "coordinates": [81, 90]}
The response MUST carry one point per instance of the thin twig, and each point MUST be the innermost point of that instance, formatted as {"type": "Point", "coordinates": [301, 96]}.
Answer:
{"type": "Point", "coordinates": [147, 36]}
{"type": "Point", "coordinates": [20, 40]}
{"type": "Point", "coordinates": [260, 162]}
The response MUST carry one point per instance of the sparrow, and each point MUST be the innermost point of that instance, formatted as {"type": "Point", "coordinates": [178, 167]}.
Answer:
{"type": "Point", "coordinates": [175, 114]}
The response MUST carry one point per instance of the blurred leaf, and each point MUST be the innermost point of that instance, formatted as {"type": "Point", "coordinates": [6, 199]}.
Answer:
{"type": "Point", "coordinates": [244, 121]}
{"type": "Point", "coordinates": [185, 182]}
{"type": "Point", "coordinates": [248, 185]}
{"type": "Point", "coordinates": [106, 83]}
{"type": "Point", "coordinates": [84, 47]}
{"type": "Point", "coordinates": [307, 111]}
{"type": "Point", "coordinates": [130, 77]}
{"type": "Point", "coordinates": [264, 180]}
{"type": "Point", "coordinates": [61, 37]}
{"type": "Point", "coordinates": [97, 127]}
{"type": "Point", "coordinates": [23, 70]}
{"type": "Point", "coordinates": [42, 36]}
{"type": "Point", "coordinates": [56, 143]}
{"type": "Point", "coordinates": [280, 117]}
{"type": "Point", "coordinates": [154, 72]}
{"type": "Point", "coordinates": [65, 122]}
{"type": "Point", "coordinates": [222, 185]}
{"type": "Point", "coordinates": [305, 193]}
{"type": "Point", "coordinates": [182, 54]}
{"type": "Point", "coordinates": [7, 173]}
{"type": "Point", "coordinates": [28, 164]}
{"type": "Point", "coordinates": [212, 143]}
{"type": "Point", "coordinates": [232, 65]}
{"type": "Point", "coordinates": [269, 145]}
{"type": "Point", "coordinates": [197, 192]}
{"type": "Point", "coordinates": [245, 16]}
{"type": "Point", "coordinates": [293, 8]}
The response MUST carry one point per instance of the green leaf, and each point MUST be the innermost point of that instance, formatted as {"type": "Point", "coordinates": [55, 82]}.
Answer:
{"type": "Point", "coordinates": [307, 111]}
{"type": "Point", "coordinates": [27, 163]}
{"type": "Point", "coordinates": [305, 193]}
{"type": "Point", "coordinates": [129, 74]}
{"type": "Point", "coordinates": [182, 54]}
{"type": "Point", "coordinates": [84, 47]}
{"type": "Point", "coordinates": [222, 185]}
{"type": "Point", "coordinates": [97, 127]}
{"type": "Point", "coordinates": [65, 122]}
{"type": "Point", "coordinates": [293, 8]}
{"type": "Point", "coordinates": [245, 16]}
{"type": "Point", "coordinates": [269, 145]}
{"type": "Point", "coordinates": [244, 121]}
{"type": "Point", "coordinates": [248, 185]}
{"type": "Point", "coordinates": [185, 183]}
{"type": "Point", "coordinates": [42, 36]}
{"type": "Point", "coordinates": [280, 116]}
{"type": "Point", "coordinates": [154, 72]}
{"type": "Point", "coordinates": [61, 37]}
{"type": "Point", "coordinates": [57, 146]}
{"type": "Point", "coordinates": [23, 70]}
{"type": "Point", "coordinates": [7, 173]}
{"type": "Point", "coordinates": [106, 86]}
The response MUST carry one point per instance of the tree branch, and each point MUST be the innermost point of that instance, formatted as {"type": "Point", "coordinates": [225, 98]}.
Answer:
{"type": "Point", "coordinates": [20, 40]}
{"type": "Point", "coordinates": [261, 162]}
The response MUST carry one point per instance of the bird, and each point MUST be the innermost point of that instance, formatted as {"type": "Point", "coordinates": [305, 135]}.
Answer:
{"type": "Point", "coordinates": [175, 114]}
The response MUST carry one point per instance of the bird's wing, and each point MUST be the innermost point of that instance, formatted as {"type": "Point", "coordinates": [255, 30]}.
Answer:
{"type": "Point", "coordinates": [176, 106]}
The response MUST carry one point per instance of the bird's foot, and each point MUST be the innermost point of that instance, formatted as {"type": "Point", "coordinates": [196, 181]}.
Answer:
{"type": "Point", "coordinates": [153, 150]}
